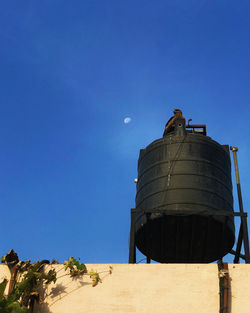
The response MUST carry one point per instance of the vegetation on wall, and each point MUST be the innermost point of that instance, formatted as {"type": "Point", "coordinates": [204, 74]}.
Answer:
{"type": "Point", "coordinates": [27, 280]}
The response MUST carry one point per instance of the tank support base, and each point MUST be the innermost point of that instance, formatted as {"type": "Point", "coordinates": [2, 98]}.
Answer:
{"type": "Point", "coordinates": [242, 236]}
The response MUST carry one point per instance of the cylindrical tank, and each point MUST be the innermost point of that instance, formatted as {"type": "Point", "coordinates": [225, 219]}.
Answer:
{"type": "Point", "coordinates": [187, 177]}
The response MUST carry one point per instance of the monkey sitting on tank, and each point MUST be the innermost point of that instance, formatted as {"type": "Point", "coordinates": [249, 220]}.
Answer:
{"type": "Point", "coordinates": [170, 124]}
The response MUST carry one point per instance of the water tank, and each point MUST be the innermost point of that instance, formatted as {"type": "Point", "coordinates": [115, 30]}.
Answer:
{"type": "Point", "coordinates": [185, 177]}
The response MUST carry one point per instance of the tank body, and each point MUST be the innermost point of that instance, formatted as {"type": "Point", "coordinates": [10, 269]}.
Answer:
{"type": "Point", "coordinates": [184, 174]}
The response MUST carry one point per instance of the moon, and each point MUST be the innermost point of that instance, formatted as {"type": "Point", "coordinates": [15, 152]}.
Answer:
{"type": "Point", "coordinates": [127, 120]}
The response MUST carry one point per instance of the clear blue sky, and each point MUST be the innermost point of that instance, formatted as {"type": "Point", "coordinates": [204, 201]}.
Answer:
{"type": "Point", "coordinates": [71, 71]}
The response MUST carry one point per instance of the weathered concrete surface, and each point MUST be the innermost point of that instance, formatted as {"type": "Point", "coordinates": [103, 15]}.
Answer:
{"type": "Point", "coordinates": [4, 273]}
{"type": "Point", "coordinates": [147, 288]}
{"type": "Point", "coordinates": [240, 287]}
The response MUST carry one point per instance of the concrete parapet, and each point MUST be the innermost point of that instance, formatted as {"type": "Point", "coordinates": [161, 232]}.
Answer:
{"type": "Point", "coordinates": [146, 288]}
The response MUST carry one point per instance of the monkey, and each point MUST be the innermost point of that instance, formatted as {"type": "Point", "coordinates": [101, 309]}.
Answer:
{"type": "Point", "coordinates": [170, 124]}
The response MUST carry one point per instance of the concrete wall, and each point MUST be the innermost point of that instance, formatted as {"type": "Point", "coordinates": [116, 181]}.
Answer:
{"type": "Point", "coordinates": [146, 288]}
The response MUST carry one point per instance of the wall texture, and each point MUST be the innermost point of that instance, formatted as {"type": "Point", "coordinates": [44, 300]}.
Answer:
{"type": "Point", "coordinates": [146, 288]}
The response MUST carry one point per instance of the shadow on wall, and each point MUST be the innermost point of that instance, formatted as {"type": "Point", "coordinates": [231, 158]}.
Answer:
{"type": "Point", "coordinates": [52, 294]}
{"type": "Point", "coordinates": [57, 293]}
{"type": "Point", "coordinates": [44, 307]}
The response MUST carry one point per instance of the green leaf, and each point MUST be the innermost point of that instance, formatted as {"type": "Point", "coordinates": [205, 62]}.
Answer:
{"type": "Point", "coordinates": [3, 306]}
{"type": "Point", "coordinates": [15, 307]}
{"type": "Point", "coordinates": [95, 277]}
{"type": "Point", "coordinates": [82, 267]}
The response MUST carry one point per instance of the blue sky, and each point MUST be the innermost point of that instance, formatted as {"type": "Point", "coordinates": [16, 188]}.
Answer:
{"type": "Point", "coordinates": [71, 71]}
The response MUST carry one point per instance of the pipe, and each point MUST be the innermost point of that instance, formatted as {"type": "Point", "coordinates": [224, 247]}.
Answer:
{"type": "Point", "coordinates": [243, 219]}
{"type": "Point", "coordinates": [223, 285]}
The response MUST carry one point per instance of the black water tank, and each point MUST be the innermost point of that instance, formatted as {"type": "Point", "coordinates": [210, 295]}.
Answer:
{"type": "Point", "coordinates": [184, 173]}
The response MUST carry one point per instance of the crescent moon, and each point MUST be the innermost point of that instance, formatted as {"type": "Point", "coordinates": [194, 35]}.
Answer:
{"type": "Point", "coordinates": [127, 120]}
